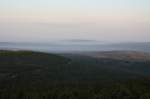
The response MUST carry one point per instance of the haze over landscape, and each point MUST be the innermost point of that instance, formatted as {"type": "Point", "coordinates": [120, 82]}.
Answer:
{"type": "Point", "coordinates": [74, 49]}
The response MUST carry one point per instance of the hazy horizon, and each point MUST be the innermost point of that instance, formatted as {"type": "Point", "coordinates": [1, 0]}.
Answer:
{"type": "Point", "coordinates": [100, 20]}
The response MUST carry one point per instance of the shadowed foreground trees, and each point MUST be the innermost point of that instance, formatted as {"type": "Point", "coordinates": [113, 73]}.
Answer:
{"type": "Point", "coordinates": [124, 90]}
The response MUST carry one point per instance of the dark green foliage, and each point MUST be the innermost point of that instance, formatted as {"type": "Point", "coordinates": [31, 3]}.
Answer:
{"type": "Point", "coordinates": [35, 75]}
{"type": "Point", "coordinates": [136, 89]}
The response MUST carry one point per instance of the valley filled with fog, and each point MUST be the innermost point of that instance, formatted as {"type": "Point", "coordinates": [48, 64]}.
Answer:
{"type": "Point", "coordinates": [76, 46]}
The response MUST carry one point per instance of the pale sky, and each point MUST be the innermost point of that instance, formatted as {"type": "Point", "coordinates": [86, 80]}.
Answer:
{"type": "Point", "coordinates": [103, 20]}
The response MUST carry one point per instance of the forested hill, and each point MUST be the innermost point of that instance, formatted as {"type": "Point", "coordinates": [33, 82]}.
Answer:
{"type": "Point", "coordinates": [38, 75]}
{"type": "Point", "coordinates": [30, 58]}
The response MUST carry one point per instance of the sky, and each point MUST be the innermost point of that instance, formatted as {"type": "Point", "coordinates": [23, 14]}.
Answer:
{"type": "Point", "coordinates": [47, 20]}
